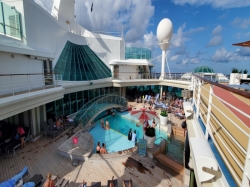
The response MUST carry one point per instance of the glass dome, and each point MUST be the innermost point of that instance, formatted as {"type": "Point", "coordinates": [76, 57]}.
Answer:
{"type": "Point", "coordinates": [203, 69]}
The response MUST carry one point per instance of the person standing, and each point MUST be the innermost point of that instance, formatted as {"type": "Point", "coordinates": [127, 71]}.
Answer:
{"type": "Point", "coordinates": [134, 138]}
{"type": "Point", "coordinates": [130, 134]}
{"type": "Point", "coordinates": [21, 133]}
{"type": "Point", "coordinates": [107, 125]}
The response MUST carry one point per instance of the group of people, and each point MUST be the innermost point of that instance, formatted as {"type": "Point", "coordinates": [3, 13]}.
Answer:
{"type": "Point", "coordinates": [101, 150]}
{"type": "Point", "coordinates": [132, 136]}
{"type": "Point", "coordinates": [106, 125]}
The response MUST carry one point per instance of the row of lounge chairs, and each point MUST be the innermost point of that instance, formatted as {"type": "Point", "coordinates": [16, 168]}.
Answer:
{"type": "Point", "coordinates": [50, 130]}
{"type": "Point", "coordinates": [10, 144]}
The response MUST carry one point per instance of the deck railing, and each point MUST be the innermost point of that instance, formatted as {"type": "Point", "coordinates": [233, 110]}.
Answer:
{"type": "Point", "coordinates": [13, 84]}
{"type": "Point", "coordinates": [226, 132]}
{"type": "Point", "coordinates": [136, 75]}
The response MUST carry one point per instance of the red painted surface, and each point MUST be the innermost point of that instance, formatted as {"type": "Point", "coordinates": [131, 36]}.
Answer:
{"type": "Point", "coordinates": [236, 102]}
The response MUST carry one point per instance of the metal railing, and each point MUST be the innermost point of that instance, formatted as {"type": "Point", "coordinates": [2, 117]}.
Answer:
{"type": "Point", "coordinates": [136, 75]}
{"type": "Point", "coordinates": [162, 146]}
{"type": "Point", "coordinates": [13, 84]}
{"type": "Point", "coordinates": [97, 105]}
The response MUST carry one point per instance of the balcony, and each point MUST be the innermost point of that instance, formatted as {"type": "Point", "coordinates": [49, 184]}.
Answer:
{"type": "Point", "coordinates": [16, 84]}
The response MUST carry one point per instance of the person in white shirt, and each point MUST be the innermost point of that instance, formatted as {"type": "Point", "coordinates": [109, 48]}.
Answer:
{"type": "Point", "coordinates": [134, 138]}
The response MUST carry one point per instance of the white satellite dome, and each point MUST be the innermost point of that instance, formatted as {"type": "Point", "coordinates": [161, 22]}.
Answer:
{"type": "Point", "coordinates": [164, 30]}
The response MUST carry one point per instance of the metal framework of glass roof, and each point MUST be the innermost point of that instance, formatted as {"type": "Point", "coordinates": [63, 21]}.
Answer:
{"type": "Point", "coordinates": [80, 63]}
{"type": "Point", "coordinates": [203, 69]}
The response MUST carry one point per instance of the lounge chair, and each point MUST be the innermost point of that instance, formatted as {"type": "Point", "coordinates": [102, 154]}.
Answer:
{"type": "Point", "coordinates": [157, 97]}
{"type": "Point", "coordinates": [47, 131]}
{"type": "Point", "coordinates": [62, 182]}
{"type": "Point", "coordinates": [37, 179]}
{"type": "Point", "coordinates": [114, 182]}
{"type": "Point", "coordinates": [95, 184]}
{"type": "Point", "coordinates": [126, 182]}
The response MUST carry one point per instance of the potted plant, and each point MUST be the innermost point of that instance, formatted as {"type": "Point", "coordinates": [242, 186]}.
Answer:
{"type": "Point", "coordinates": [235, 76]}
{"type": "Point", "coordinates": [150, 136]}
{"type": "Point", "coordinates": [163, 117]}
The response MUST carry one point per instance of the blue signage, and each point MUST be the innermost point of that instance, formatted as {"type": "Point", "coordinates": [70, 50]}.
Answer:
{"type": "Point", "coordinates": [142, 146]}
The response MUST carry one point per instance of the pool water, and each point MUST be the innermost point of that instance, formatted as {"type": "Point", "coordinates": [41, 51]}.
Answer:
{"type": "Point", "coordinates": [116, 138]}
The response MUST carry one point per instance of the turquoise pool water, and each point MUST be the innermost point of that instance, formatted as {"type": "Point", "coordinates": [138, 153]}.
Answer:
{"type": "Point", "coordinates": [116, 138]}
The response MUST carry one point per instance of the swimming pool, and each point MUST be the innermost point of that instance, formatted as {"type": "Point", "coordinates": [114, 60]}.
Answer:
{"type": "Point", "coordinates": [116, 138]}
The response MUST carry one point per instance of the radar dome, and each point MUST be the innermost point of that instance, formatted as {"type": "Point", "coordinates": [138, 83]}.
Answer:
{"type": "Point", "coordinates": [164, 30]}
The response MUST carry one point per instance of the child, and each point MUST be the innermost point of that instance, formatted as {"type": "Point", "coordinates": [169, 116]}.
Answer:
{"type": "Point", "coordinates": [21, 133]}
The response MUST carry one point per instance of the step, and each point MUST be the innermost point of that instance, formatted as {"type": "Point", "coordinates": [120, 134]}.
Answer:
{"type": "Point", "coordinates": [170, 163]}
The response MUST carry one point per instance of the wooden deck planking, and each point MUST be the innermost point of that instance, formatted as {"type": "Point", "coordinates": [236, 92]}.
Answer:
{"type": "Point", "coordinates": [42, 157]}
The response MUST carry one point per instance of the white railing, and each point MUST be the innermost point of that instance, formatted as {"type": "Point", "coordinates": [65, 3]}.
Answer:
{"type": "Point", "coordinates": [230, 134]}
{"type": "Point", "coordinates": [136, 75]}
{"type": "Point", "coordinates": [13, 84]}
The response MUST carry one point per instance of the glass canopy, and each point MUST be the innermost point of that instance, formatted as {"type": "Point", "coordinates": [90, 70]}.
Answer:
{"type": "Point", "coordinates": [80, 63]}
{"type": "Point", "coordinates": [203, 69]}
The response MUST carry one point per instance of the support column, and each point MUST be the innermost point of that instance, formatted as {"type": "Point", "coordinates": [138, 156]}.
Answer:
{"type": "Point", "coordinates": [163, 47]}
{"type": "Point", "coordinates": [208, 130]}
{"type": "Point", "coordinates": [198, 99]}
{"type": "Point", "coordinates": [161, 92]}
{"type": "Point", "coordinates": [33, 121]}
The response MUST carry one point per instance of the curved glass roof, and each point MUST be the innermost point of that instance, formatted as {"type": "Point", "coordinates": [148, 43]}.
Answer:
{"type": "Point", "coordinates": [80, 63]}
{"type": "Point", "coordinates": [203, 69]}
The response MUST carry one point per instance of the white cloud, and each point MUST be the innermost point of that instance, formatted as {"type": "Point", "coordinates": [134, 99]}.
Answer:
{"type": "Point", "coordinates": [194, 60]}
{"type": "Point", "coordinates": [222, 55]}
{"type": "Point", "coordinates": [113, 15]}
{"type": "Point", "coordinates": [243, 23]}
{"type": "Point", "coordinates": [248, 34]}
{"type": "Point", "coordinates": [178, 39]}
{"type": "Point", "coordinates": [217, 30]}
{"type": "Point", "coordinates": [216, 40]}
{"type": "Point", "coordinates": [175, 57]}
{"type": "Point", "coordinates": [149, 41]}
{"type": "Point", "coordinates": [185, 61]}
{"type": "Point", "coordinates": [222, 4]}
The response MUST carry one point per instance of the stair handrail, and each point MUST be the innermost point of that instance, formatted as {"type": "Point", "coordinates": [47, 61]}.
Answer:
{"type": "Point", "coordinates": [106, 96]}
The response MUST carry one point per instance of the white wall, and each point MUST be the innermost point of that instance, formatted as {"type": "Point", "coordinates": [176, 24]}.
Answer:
{"type": "Point", "coordinates": [19, 64]}
{"type": "Point", "coordinates": [44, 33]}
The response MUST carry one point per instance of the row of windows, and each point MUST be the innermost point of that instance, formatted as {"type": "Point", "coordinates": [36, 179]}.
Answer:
{"type": "Point", "coordinates": [137, 53]}
{"type": "Point", "coordinates": [72, 102]}
{"type": "Point", "coordinates": [10, 21]}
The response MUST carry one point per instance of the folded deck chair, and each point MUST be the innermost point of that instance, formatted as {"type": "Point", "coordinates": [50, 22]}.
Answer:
{"type": "Point", "coordinates": [37, 179]}
{"type": "Point", "coordinates": [95, 184]}
{"type": "Point", "coordinates": [47, 131]}
{"type": "Point", "coordinates": [148, 99]}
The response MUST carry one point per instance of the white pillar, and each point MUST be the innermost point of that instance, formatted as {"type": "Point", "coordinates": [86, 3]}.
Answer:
{"type": "Point", "coordinates": [112, 70]}
{"type": "Point", "coordinates": [163, 47]}
{"type": "Point", "coordinates": [163, 57]}
{"type": "Point", "coordinates": [161, 92]}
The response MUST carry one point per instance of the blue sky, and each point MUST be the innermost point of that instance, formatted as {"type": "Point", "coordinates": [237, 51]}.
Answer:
{"type": "Point", "coordinates": [203, 30]}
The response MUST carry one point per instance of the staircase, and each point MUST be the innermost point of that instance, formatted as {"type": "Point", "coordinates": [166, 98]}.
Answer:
{"type": "Point", "coordinates": [170, 163]}
{"type": "Point", "coordinates": [173, 158]}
